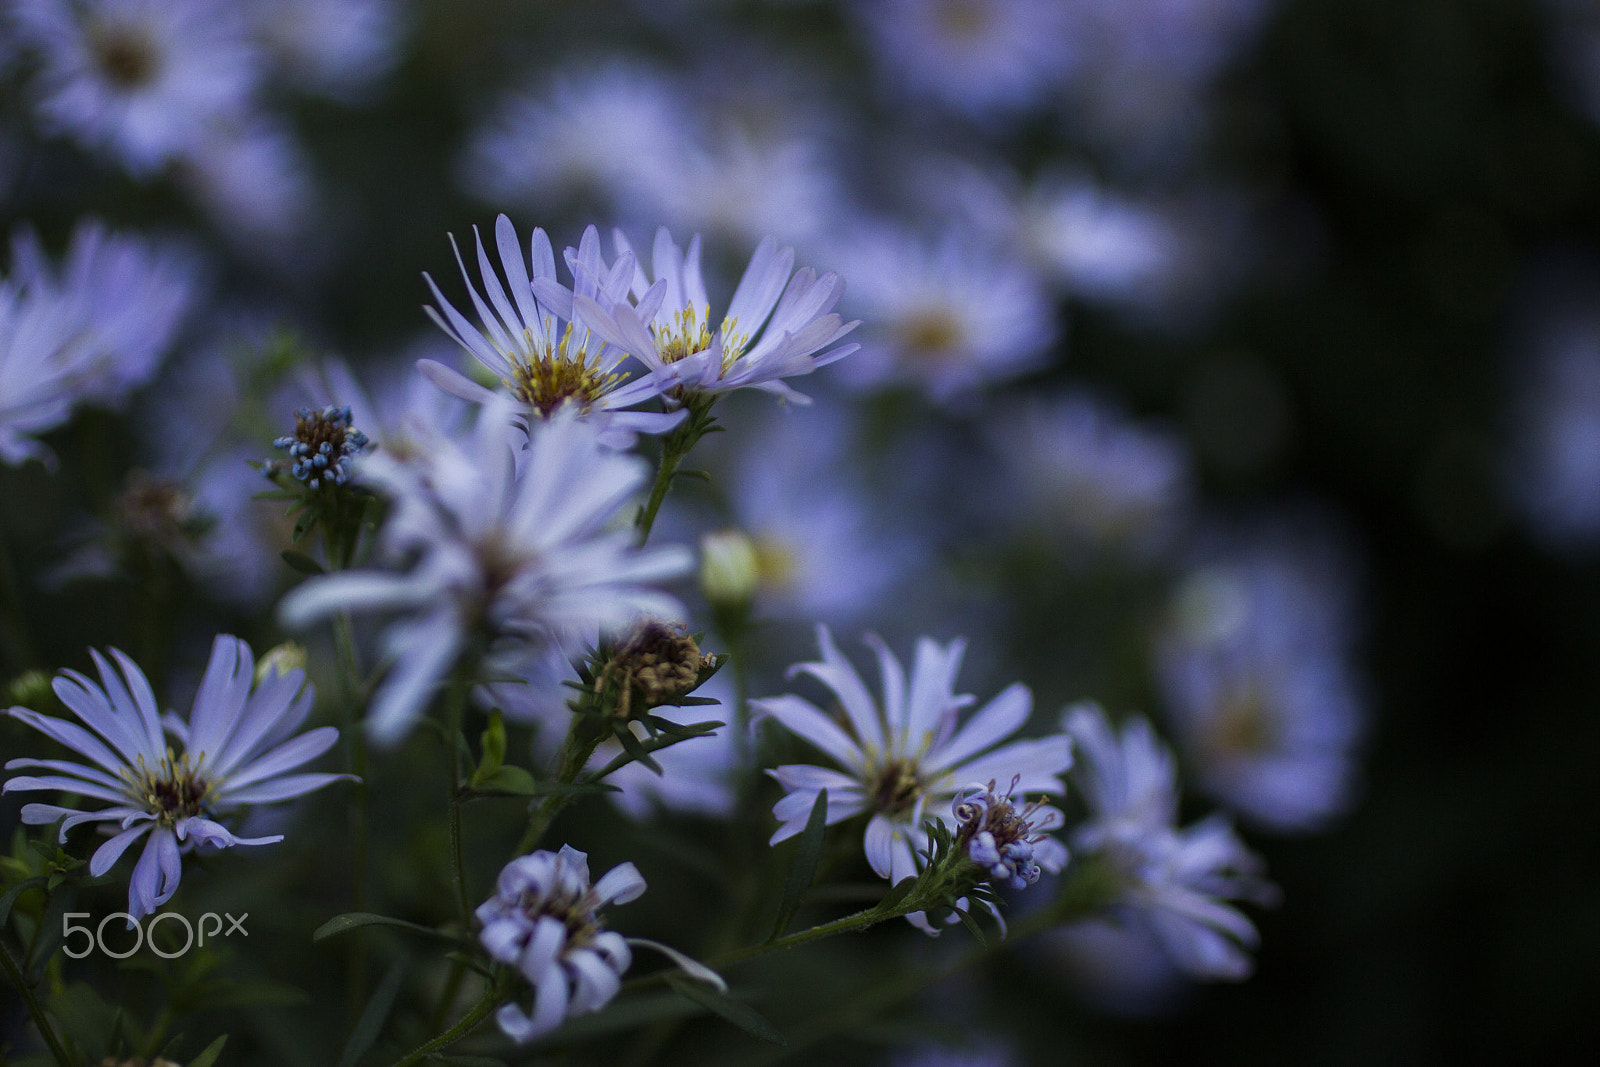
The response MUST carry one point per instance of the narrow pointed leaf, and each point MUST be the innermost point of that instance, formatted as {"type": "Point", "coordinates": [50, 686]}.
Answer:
{"type": "Point", "coordinates": [373, 1016]}
{"type": "Point", "coordinates": [803, 869]}
{"type": "Point", "coordinates": [301, 562]}
{"type": "Point", "coordinates": [351, 920]}
{"type": "Point", "coordinates": [736, 1012]}
{"type": "Point", "coordinates": [212, 1051]}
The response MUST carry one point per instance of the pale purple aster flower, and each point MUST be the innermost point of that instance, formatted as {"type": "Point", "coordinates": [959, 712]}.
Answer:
{"type": "Point", "coordinates": [141, 80]}
{"type": "Point", "coordinates": [542, 365]}
{"type": "Point", "coordinates": [1090, 476]}
{"type": "Point", "coordinates": [1172, 881]}
{"type": "Point", "coordinates": [41, 374]}
{"type": "Point", "coordinates": [237, 749]}
{"type": "Point", "coordinates": [129, 294]}
{"type": "Point", "coordinates": [610, 130]}
{"type": "Point", "coordinates": [826, 548]}
{"type": "Point", "coordinates": [979, 57]}
{"type": "Point", "coordinates": [903, 758]}
{"type": "Point", "coordinates": [743, 188]}
{"type": "Point", "coordinates": [1257, 674]}
{"type": "Point", "coordinates": [254, 180]}
{"type": "Point", "coordinates": [516, 544]}
{"type": "Point", "coordinates": [335, 48]}
{"type": "Point", "coordinates": [949, 317]}
{"type": "Point", "coordinates": [669, 329]}
{"type": "Point", "coordinates": [544, 921]}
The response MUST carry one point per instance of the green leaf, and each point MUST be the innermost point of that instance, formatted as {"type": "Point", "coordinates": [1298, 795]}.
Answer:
{"type": "Point", "coordinates": [683, 733]}
{"type": "Point", "coordinates": [636, 749]}
{"type": "Point", "coordinates": [803, 869]}
{"type": "Point", "coordinates": [897, 893]}
{"type": "Point", "coordinates": [212, 1051]}
{"type": "Point", "coordinates": [10, 896]}
{"type": "Point", "coordinates": [301, 562]}
{"type": "Point", "coordinates": [513, 781]}
{"type": "Point", "coordinates": [493, 744]}
{"type": "Point", "coordinates": [51, 931]}
{"type": "Point", "coordinates": [972, 926]}
{"type": "Point", "coordinates": [506, 781]}
{"type": "Point", "coordinates": [624, 1013]}
{"type": "Point", "coordinates": [736, 1012]}
{"type": "Point", "coordinates": [252, 994]}
{"type": "Point", "coordinates": [373, 1016]}
{"type": "Point", "coordinates": [351, 920]}
{"type": "Point", "coordinates": [466, 1061]}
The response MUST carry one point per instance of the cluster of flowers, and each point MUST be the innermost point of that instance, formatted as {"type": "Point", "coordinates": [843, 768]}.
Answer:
{"type": "Point", "coordinates": [179, 86]}
{"type": "Point", "coordinates": [501, 549]}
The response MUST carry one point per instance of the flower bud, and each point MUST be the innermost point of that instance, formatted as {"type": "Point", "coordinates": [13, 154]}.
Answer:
{"type": "Point", "coordinates": [281, 659]}
{"type": "Point", "coordinates": [729, 568]}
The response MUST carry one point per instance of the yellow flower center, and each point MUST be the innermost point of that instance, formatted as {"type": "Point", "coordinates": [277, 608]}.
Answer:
{"type": "Point", "coordinates": [171, 791]}
{"type": "Point", "coordinates": [551, 375]}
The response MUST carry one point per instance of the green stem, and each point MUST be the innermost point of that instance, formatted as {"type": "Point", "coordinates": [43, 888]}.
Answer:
{"type": "Point", "coordinates": [456, 707]}
{"type": "Point", "coordinates": [35, 1009]}
{"type": "Point", "coordinates": [452, 988]}
{"type": "Point", "coordinates": [674, 447]}
{"type": "Point", "coordinates": [581, 741]}
{"type": "Point", "coordinates": [350, 686]}
{"type": "Point", "coordinates": [1086, 891]}
{"type": "Point", "coordinates": [491, 1000]}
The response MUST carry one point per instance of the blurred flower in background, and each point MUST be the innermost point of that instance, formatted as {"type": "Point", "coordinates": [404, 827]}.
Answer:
{"type": "Point", "coordinates": [1257, 668]}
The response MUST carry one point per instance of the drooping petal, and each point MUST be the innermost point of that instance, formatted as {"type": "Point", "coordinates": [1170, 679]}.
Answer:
{"type": "Point", "coordinates": [105, 857]}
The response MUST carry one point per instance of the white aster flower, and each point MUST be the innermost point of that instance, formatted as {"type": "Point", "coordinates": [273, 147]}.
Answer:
{"type": "Point", "coordinates": [129, 295]}
{"type": "Point", "coordinates": [541, 364]}
{"type": "Point", "coordinates": [669, 327]}
{"type": "Point", "coordinates": [980, 57]}
{"type": "Point", "coordinates": [950, 317]}
{"type": "Point", "coordinates": [40, 371]}
{"type": "Point", "coordinates": [1093, 477]}
{"type": "Point", "coordinates": [543, 920]}
{"type": "Point", "coordinates": [338, 48]}
{"type": "Point", "coordinates": [826, 548]}
{"type": "Point", "coordinates": [514, 547]}
{"type": "Point", "coordinates": [253, 178]}
{"type": "Point", "coordinates": [237, 749]}
{"type": "Point", "coordinates": [1172, 881]}
{"type": "Point", "coordinates": [903, 759]}
{"type": "Point", "coordinates": [142, 80]}
{"type": "Point", "coordinates": [612, 130]}
{"type": "Point", "coordinates": [1260, 690]}
{"type": "Point", "coordinates": [744, 188]}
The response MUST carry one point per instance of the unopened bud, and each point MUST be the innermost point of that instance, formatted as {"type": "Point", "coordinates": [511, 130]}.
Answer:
{"type": "Point", "coordinates": [30, 689]}
{"type": "Point", "coordinates": [281, 659]}
{"type": "Point", "coordinates": [729, 568]}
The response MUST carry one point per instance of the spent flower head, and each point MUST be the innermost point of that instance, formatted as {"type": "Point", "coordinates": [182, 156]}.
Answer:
{"type": "Point", "coordinates": [236, 749]}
